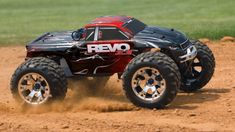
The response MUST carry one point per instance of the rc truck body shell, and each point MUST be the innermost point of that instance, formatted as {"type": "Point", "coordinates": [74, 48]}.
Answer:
{"type": "Point", "coordinates": [108, 44]}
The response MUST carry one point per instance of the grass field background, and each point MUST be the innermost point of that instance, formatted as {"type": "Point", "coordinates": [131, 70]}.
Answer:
{"type": "Point", "coordinates": [23, 20]}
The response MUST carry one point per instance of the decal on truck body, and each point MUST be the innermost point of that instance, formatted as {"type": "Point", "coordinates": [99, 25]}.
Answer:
{"type": "Point", "coordinates": [104, 48]}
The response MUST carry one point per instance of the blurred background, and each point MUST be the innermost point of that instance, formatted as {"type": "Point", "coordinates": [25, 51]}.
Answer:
{"type": "Point", "coordinates": [23, 20]}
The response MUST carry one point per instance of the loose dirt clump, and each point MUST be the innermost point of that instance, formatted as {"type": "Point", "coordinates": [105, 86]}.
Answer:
{"type": "Point", "coordinates": [205, 40]}
{"type": "Point", "coordinates": [227, 39]}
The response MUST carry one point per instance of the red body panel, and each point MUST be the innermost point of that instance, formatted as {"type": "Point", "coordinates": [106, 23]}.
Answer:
{"type": "Point", "coordinates": [112, 21]}
{"type": "Point", "coordinates": [117, 21]}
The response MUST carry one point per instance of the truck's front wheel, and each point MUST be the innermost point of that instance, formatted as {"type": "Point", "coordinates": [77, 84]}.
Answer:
{"type": "Point", "coordinates": [151, 80]}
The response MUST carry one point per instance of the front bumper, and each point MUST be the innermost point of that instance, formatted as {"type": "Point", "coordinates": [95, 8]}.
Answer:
{"type": "Point", "coordinates": [191, 53]}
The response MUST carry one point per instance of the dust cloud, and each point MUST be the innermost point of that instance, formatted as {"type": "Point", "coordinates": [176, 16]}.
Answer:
{"type": "Point", "coordinates": [84, 94]}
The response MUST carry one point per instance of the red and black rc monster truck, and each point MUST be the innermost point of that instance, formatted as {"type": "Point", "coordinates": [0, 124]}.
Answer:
{"type": "Point", "coordinates": [153, 62]}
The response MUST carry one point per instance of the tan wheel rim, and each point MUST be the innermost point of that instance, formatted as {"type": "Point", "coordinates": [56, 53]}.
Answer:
{"type": "Point", "coordinates": [33, 88]}
{"type": "Point", "coordinates": [148, 84]}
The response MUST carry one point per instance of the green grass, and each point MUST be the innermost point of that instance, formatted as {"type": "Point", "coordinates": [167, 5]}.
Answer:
{"type": "Point", "coordinates": [23, 20]}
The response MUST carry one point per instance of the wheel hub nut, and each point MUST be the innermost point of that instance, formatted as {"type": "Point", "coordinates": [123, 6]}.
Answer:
{"type": "Point", "coordinates": [37, 86]}
{"type": "Point", "coordinates": [150, 81]}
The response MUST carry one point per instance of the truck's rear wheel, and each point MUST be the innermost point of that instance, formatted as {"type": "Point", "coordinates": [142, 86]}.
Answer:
{"type": "Point", "coordinates": [151, 80]}
{"type": "Point", "coordinates": [38, 81]}
{"type": "Point", "coordinates": [202, 69]}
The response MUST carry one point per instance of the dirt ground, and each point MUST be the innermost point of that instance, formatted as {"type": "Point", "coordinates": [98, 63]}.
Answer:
{"type": "Point", "coordinates": [210, 109]}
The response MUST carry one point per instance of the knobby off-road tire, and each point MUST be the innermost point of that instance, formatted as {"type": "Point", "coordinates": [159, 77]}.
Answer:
{"type": "Point", "coordinates": [205, 62]}
{"type": "Point", "coordinates": [43, 71]}
{"type": "Point", "coordinates": [159, 63]}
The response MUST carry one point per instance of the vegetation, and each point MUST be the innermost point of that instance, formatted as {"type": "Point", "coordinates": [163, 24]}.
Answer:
{"type": "Point", "coordinates": [23, 20]}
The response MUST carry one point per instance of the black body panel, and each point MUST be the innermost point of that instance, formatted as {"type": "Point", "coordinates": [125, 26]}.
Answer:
{"type": "Point", "coordinates": [54, 41]}
{"type": "Point", "coordinates": [162, 37]}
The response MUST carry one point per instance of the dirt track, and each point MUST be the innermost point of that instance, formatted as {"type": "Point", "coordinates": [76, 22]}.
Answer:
{"type": "Point", "coordinates": [210, 109]}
